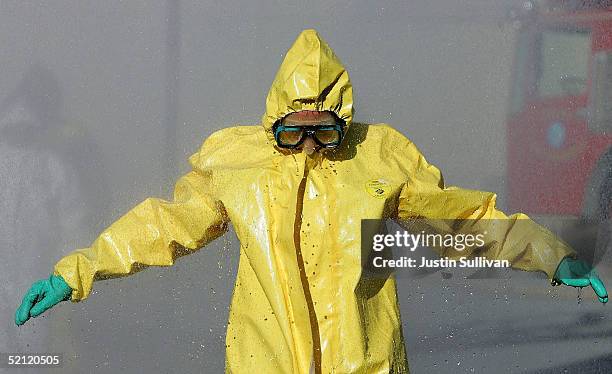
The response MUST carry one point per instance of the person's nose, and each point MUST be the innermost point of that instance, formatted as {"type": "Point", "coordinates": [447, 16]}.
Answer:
{"type": "Point", "coordinates": [309, 146]}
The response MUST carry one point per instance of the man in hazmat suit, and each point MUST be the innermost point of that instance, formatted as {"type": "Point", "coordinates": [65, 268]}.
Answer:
{"type": "Point", "coordinates": [296, 204]}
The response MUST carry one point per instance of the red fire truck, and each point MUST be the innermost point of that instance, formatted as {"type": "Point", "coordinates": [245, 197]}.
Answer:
{"type": "Point", "coordinates": [559, 127]}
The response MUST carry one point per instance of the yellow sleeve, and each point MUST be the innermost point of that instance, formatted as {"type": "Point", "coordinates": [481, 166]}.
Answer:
{"type": "Point", "coordinates": [154, 233]}
{"type": "Point", "coordinates": [516, 238]}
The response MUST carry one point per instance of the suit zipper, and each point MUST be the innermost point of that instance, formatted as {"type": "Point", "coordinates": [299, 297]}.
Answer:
{"type": "Point", "coordinates": [297, 227]}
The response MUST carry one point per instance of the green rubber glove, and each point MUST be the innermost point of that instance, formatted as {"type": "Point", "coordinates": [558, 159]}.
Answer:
{"type": "Point", "coordinates": [577, 273]}
{"type": "Point", "coordinates": [43, 295]}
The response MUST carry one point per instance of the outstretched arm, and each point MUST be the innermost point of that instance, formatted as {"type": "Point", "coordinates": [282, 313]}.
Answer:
{"type": "Point", "coordinates": [154, 233]}
{"type": "Point", "coordinates": [516, 238]}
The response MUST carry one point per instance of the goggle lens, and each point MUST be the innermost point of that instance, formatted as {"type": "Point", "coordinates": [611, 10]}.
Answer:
{"type": "Point", "coordinates": [290, 137]}
{"type": "Point", "coordinates": [327, 136]}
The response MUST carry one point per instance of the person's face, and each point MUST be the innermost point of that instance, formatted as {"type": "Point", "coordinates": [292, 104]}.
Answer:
{"type": "Point", "coordinates": [309, 146]}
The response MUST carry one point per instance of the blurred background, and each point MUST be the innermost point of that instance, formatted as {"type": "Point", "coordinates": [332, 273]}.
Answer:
{"type": "Point", "coordinates": [102, 103]}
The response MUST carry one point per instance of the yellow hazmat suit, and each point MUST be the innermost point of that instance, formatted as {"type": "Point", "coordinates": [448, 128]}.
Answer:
{"type": "Point", "coordinates": [299, 303]}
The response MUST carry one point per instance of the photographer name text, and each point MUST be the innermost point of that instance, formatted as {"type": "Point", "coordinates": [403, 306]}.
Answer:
{"type": "Point", "coordinates": [445, 262]}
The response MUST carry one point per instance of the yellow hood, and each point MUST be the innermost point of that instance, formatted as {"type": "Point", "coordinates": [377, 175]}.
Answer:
{"type": "Point", "coordinates": [311, 77]}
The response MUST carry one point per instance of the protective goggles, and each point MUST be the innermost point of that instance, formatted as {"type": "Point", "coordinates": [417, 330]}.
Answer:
{"type": "Point", "coordinates": [326, 135]}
